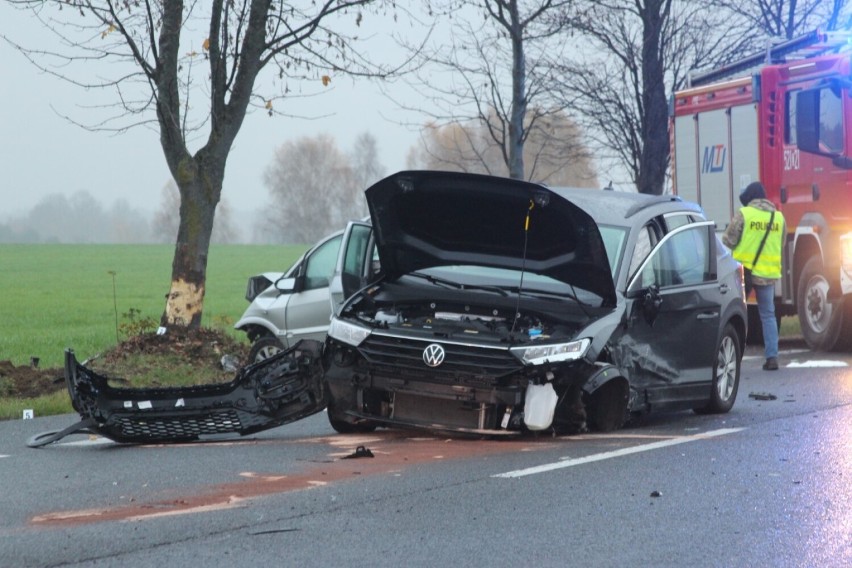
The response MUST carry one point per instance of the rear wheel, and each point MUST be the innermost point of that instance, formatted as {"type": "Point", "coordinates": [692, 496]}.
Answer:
{"type": "Point", "coordinates": [726, 374]}
{"type": "Point", "coordinates": [821, 320]}
{"type": "Point", "coordinates": [264, 348]}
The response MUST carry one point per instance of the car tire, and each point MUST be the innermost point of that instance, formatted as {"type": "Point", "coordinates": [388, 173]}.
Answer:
{"type": "Point", "coordinates": [263, 348]}
{"type": "Point", "coordinates": [821, 320]}
{"type": "Point", "coordinates": [344, 424]}
{"type": "Point", "coordinates": [726, 374]}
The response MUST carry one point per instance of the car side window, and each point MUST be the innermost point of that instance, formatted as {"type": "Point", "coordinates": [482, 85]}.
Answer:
{"type": "Point", "coordinates": [682, 260]}
{"type": "Point", "coordinates": [320, 264]}
{"type": "Point", "coordinates": [644, 243]}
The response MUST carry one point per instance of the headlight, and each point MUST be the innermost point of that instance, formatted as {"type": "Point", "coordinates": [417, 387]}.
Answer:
{"type": "Point", "coordinates": [347, 332]}
{"type": "Point", "coordinates": [552, 353]}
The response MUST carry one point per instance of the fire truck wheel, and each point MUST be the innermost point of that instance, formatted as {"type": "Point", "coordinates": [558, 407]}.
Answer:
{"type": "Point", "coordinates": [821, 320]}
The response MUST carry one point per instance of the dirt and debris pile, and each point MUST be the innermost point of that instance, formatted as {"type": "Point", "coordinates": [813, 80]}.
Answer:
{"type": "Point", "coordinates": [27, 381]}
{"type": "Point", "coordinates": [199, 349]}
{"type": "Point", "coordinates": [201, 346]}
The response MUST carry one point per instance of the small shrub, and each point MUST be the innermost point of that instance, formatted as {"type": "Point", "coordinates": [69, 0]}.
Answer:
{"type": "Point", "coordinates": [134, 324]}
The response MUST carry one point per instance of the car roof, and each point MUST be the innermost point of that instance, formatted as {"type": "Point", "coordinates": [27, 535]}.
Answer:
{"type": "Point", "coordinates": [618, 207]}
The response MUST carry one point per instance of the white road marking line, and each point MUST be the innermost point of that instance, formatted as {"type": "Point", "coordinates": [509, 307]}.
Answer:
{"type": "Point", "coordinates": [797, 365]}
{"type": "Point", "coordinates": [3, 456]}
{"type": "Point", "coordinates": [783, 353]}
{"type": "Point", "coordinates": [616, 453]}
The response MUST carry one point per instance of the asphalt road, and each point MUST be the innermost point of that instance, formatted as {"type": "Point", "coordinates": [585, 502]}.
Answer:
{"type": "Point", "coordinates": [769, 484]}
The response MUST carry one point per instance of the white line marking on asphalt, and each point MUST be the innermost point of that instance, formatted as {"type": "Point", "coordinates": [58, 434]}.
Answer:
{"type": "Point", "coordinates": [3, 456]}
{"type": "Point", "coordinates": [616, 453]}
{"type": "Point", "coordinates": [783, 353]}
{"type": "Point", "coordinates": [797, 365]}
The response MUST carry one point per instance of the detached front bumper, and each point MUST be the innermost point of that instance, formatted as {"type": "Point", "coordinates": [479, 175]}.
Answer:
{"type": "Point", "coordinates": [276, 391]}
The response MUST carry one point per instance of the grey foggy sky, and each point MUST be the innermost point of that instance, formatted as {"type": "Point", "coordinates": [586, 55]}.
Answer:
{"type": "Point", "coordinates": [42, 154]}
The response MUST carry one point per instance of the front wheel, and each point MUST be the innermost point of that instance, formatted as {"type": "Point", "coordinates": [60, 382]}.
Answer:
{"type": "Point", "coordinates": [726, 374]}
{"type": "Point", "coordinates": [264, 348]}
{"type": "Point", "coordinates": [345, 424]}
{"type": "Point", "coordinates": [821, 320]}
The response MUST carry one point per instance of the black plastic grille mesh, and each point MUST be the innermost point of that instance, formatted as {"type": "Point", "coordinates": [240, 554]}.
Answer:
{"type": "Point", "coordinates": [459, 359]}
{"type": "Point", "coordinates": [178, 427]}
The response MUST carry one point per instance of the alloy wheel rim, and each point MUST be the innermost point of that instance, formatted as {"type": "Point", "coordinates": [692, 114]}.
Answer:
{"type": "Point", "coordinates": [726, 368]}
{"type": "Point", "coordinates": [266, 353]}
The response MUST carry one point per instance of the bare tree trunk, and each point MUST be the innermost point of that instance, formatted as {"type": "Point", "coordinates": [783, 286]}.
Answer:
{"type": "Point", "coordinates": [519, 100]}
{"type": "Point", "coordinates": [654, 157]}
{"type": "Point", "coordinates": [200, 189]}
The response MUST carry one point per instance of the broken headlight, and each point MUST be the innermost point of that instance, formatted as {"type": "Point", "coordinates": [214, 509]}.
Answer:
{"type": "Point", "coordinates": [347, 332]}
{"type": "Point", "coordinates": [551, 353]}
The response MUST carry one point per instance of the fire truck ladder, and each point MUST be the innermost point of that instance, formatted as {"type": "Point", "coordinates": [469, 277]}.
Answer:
{"type": "Point", "coordinates": [811, 44]}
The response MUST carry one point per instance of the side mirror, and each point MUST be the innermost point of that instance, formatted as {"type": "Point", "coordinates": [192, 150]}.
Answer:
{"type": "Point", "coordinates": [651, 303]}
{"type": "Point", "coordinates": [290, 285]}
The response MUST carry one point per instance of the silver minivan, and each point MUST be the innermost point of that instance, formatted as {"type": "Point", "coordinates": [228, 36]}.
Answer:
{"type": "Point", "coordinates": [286, 307]}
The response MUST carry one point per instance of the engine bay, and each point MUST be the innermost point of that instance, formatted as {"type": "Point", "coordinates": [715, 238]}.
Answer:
{"type": "Point", "coordinates": [465, 321]}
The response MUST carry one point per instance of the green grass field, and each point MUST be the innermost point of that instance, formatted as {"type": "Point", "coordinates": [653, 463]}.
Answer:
{"type": "Point", "coordinates": [57, 296]}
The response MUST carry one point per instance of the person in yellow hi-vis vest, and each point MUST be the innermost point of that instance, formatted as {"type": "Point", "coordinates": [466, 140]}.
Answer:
{"type": "Point", "coordinates": [756, 236]}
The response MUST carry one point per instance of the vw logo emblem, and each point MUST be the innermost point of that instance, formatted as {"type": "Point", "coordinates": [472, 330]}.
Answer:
{"type": "Point", "coordinates": [433, 355]}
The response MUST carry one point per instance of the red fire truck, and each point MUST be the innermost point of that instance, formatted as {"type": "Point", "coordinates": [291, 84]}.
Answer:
{"type": "Point", "coordinates": [783, 117]}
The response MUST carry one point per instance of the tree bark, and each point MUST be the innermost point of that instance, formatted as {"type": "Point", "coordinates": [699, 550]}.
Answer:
{"type": "Point", "coordinates": [654, 157]}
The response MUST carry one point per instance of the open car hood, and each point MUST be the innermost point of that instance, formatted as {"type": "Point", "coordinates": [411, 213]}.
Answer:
{"type": "Point", "coordinates": [429, 218]}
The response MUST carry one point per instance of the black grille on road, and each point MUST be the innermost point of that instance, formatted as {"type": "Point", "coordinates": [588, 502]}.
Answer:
{"type": "Point", "coordinates": [178, 427]}
{"type": "Point", "coordinates": [459, 360]}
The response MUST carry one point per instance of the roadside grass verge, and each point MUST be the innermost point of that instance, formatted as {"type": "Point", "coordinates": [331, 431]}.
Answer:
{"type": "Point", "coordinates": [87, 297]}
{"type": "Point", "coordinates": [44, 405]}
{"type": "Point", "coordinates": [789, 327]}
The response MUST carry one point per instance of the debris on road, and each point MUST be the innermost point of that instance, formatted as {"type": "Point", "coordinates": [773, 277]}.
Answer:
{"type": "Point", "coordinates": [360, 452]}
{"type": "Point", "coordinates": [762, 396]}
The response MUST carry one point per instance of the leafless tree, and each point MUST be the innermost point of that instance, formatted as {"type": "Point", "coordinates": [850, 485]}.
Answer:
{"type": "Point", "coordinates": [189, 69]}
{"type": "Point", "coordinates": [127, 225]}
{"type": "Point", "coordinates": [637, 53]}
{"type": "Point", "coordinates": [367, 169]}
{"type": "Point", "coordinates": [313, 191]}
{"type": "Point", "coordinates": [786, 19]}
{"type": "Point", "coordinates": [630, 56]}
{"type": "Point", "coordinates": [166, 219]}
{"type": "Point", "coordinates": [470, 148]}
{"type": "Point", "coordinates": [494, 71]}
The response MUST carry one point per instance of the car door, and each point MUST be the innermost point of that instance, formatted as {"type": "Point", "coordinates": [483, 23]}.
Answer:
{"type": "Point", "coordinates": [308, 312]}
{"type": "Point", "coordinates": [357, 263]}
{"type": "Point", "coordinates": [673, 317]}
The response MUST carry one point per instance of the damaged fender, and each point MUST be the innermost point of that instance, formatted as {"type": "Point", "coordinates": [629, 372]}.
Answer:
{"type": "Point", "coordinates": [282, 389]}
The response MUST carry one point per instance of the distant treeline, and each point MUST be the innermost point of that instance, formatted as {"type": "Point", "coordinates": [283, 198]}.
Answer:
{"type": "Point", "coordinates": [80, 219]}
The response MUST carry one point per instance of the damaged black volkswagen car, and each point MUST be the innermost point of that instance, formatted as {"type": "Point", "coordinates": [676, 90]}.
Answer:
{"type": "Point", "coordinates": [480, 305]}
{"type": "Point", "coordinates": [505, 306]}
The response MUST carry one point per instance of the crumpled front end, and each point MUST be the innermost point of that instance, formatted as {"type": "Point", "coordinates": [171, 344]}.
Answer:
{"type": "Point", "coordinates": [276, 391]}
{"type": "Point", "coordinates": [461, 367]}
